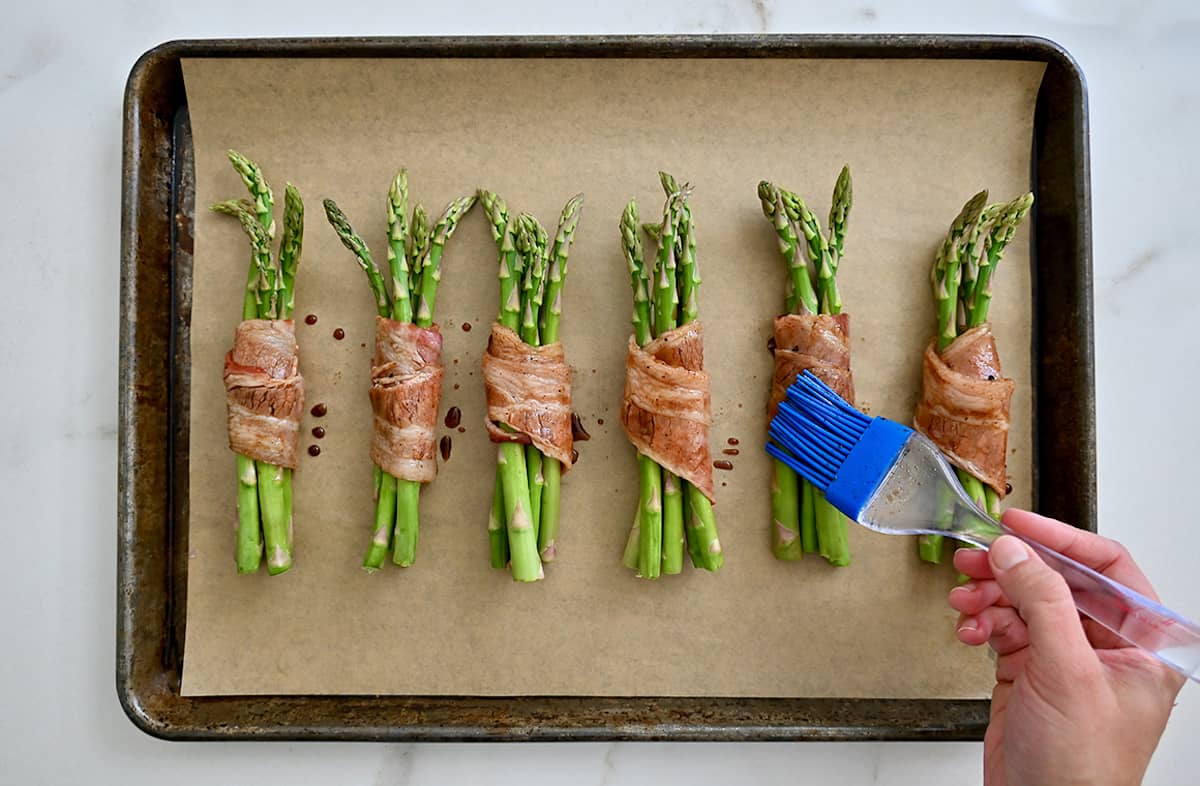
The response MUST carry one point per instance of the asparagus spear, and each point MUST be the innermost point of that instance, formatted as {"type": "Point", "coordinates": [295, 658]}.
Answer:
{"type": "Point", "coordinates": [648, 522]}
{"type": "Point", "coordinates": [704, 547]}
{"type": "Point", "coordinates": [551, 314]}
{"type": "Point", "coordinates": [249, 535]}
{"type": "Point", "coordinates": [531, 244]}
{"type": "Point", "coordinates": [511, 470]}
{"type": "Point", "coordinates": [385, 492]}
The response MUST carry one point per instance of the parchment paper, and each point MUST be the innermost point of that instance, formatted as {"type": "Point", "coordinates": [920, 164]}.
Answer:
{"type": "Point", "coordinates": [920, 136]}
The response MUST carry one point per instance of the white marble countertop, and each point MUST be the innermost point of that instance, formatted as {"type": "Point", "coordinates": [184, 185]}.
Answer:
{"type": "Point", "coordinates": [62, 71]}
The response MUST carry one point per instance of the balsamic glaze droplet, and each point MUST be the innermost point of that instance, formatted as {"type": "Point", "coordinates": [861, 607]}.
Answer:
{"type": "Point", "coordinates": [311, 319]}
{"type": "Point", "coordinates": [319, 410]}
{"type": "Point", "coordinates": [318, 432]}
{"type": "Point", "coordinates": [446, 445]}
{"type": "Point", "coordinates": [733, 441]}
{"type": "Point", "coordinates": [466, 327]}
{"type": "Point", "coordinates": [1007, 488]}
{"type": "Point", "coordinates": [578, 432]}
{"type": "Point", "coordinates": [453, 417]}
{"type": "Point", "coordinates": [314, 450]}
{"type": "Point", "coordinates": [723, 464]}
{"type": "Point", "coordinates": [339, 334]}
{"type": "Point", "coordinates": [731, 451]}
{"type": "Point", "coordinates": [574, 456]}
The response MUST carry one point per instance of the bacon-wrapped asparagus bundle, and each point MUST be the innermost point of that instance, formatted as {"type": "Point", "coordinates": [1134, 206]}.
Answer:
{"type": "Point", "coordinates": [263, 387]}
{"type": "Point", "coordinates": [406, 368]}
{"type": "Point", "coordinates": [528, 385]}
{"type": "Point", "coordinates": [666, 411]}
{"type": "Point", "coordinates": [964, 405]}
{"type": "Point", "coordinates": [813, 335]}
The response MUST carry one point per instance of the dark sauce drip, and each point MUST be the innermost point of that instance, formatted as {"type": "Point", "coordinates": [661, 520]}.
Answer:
{"type": "Point", "coordinates": [723, 464]}
{"type": "Point", "coordinates": [733, 441]}
{"type": "Point", "coordinates": [466, 327]}
{"type": "Point", "coordinates": [731, 451]}
{"type": "Point", "coordinates": [311, 319]}
{"type": "Point", "coordinates": [453, 417]}
{"type": "Point", "coordinates": [456, 386]}
{"type": "Point", "coordinates": [578, 432]}
{"type": "Point", "coordinates": [319, 410]}
{"type": "Point", "coordinates": [446, 445]}
{"type": "Point", "coordinates": [462, 429]}
{"type": "Point", "coordinates": [599, 421]}
{"type": "Point", "coordinates": [318, 432]}
{"type": "Point", "coordinates": [314, 450]}
{"type": "Point", "coordinates": [339, 334]}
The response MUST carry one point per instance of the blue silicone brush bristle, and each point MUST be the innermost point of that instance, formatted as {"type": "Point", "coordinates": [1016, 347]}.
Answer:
{"type": "Point", "coordinates": [829, 443]}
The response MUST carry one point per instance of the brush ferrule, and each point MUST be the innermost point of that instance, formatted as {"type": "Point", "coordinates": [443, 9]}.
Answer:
{"type": "Point", "coordinates": [866, 466]}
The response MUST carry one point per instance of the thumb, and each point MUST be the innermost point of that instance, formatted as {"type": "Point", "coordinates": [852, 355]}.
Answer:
{"type": "Point", "coordinates": [1043, 600]}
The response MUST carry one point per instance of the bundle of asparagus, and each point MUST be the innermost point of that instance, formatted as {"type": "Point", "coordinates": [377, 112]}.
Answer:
{"type": "Point", "coordinates": [528, 388]}
{"type": "Point", "coordinates": [965, 399]}
{"type": "Point", "coordinates": [814, 335]}
{"type": "Point", "coordinates": [406, 370]}
{"type": "Point", "coordinates": [263, 387]}
{"type": "Point", "coordinates": [666, 404]}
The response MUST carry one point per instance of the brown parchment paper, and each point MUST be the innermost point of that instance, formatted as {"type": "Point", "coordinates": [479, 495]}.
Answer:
{"type": "Point", "coordinates": [920, 136]}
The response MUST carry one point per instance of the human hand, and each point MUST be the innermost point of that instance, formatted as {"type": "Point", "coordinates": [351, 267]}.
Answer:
{"type": "Point", "coordinates": [1073, 702]}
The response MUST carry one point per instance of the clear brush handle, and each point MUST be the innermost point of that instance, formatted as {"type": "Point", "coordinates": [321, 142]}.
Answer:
{"type": "Point", "coordinates": [1139, 620]}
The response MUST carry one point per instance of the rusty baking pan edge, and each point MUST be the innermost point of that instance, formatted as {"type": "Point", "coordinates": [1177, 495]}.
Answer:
{"type": "Point", "coordinates": [152, 444]}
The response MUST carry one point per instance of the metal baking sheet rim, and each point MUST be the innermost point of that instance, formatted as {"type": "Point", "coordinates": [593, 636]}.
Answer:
{"type": "Point", "coordinates": [152, 508]}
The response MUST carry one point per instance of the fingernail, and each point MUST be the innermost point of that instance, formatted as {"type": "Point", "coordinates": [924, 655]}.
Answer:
{"type": "Point", "coordinates": [968, 624]}
{"type": "Point", "coordinates": [1008, 552]}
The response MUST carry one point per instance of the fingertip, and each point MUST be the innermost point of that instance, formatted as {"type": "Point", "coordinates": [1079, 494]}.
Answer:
{"type": "Point", "coordinates": [960, 597]}
{"type": "Point", "coordinates": [973, 563]}
{"type": "Point", "coordinates": [970, 632]}
{"type": "Point", "coordinates": [1006, 553]}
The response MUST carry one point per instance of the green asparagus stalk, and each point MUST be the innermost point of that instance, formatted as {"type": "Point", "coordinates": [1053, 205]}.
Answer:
{"type": "Point", "coordinates": [786, 487]}
{"type": "Point", "coordinates": [385, 494]}
{"type": "Point", "coordinates": [646, 533]}
{"type": "Point", "coordinates": [696, 509]}
{"type": "Point", "coordinates": [503, 231]}
{"type": "Point", "coordinates": [551, 315]}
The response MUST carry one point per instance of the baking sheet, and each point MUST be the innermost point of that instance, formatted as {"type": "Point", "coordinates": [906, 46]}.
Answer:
{"type": "Point", "coordinates": [920, 136]}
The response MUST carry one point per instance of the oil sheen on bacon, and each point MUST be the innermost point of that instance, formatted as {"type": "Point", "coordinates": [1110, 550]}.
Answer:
{"type": "Point", "coordinates": [965, 405]}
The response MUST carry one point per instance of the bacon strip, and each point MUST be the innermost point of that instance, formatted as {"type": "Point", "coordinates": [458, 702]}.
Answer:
{"type": "Point", "coordinates": [264, 392]}
{"type": "Point", "coordinates": [528, 390]}
{"type": "Point", "coordinates": [964, 406]}
{"type": "Point", "coordinates": [667, 404]}
{"type": "Point", "coordinates": [406, 389]}
{"type": "Point", "coordinates": [819, 343]}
